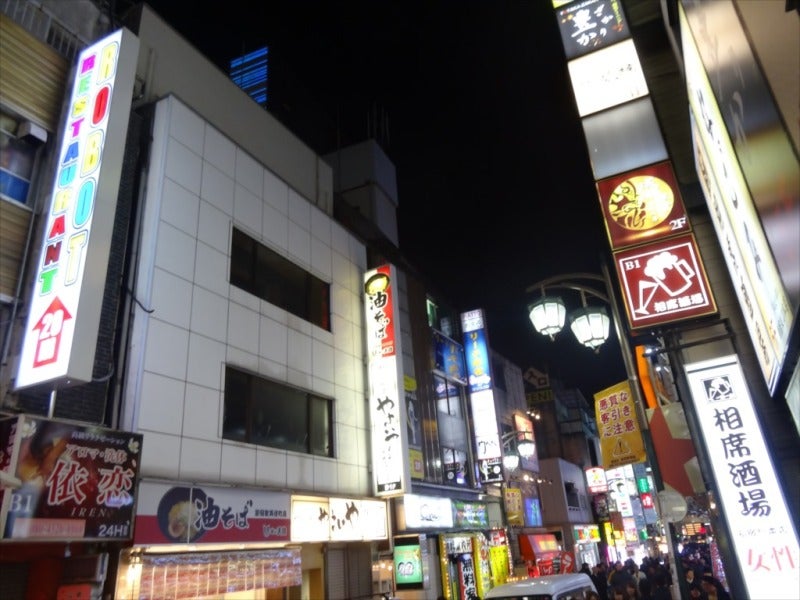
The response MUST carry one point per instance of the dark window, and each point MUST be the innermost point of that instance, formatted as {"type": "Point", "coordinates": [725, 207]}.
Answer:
{"type": "Point", "coordinates": [268, 413]}
{"type": "Point", "coordinates": [16, 162]}
{"type": "Point", "coordinates": [264, 273]}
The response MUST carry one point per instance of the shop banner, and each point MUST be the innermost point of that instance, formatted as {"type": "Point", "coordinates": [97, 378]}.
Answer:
{"type": "Point", "coordinates": [513, 504]}
{"type": "Point", "coordinates": [172, 514]}
{"type": "Point", "coordinates": [338, 519]}
{"type": "Point", "coordinates": [620, 439]}
{"type": "Point", "coordinates": [77, 481]}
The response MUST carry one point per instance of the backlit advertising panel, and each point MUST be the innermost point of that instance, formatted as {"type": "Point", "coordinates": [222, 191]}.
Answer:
{"type": "Point", "coordinates": [588, 25]}
{"type": "Point", "coordinates": [78, 481]}
{"type": "Point", "coordinates": [642, 205]}
{"type": "Point", "coordinates": [388, 415]}
{"type": "Point", "coordinates": [484, 417]}
{"type": "Point", "coordinates": [338, 519]}
{"type": "Point", "coordinates": [664, 282]}
{"type": "Point", "coordinates": [185, 514]}
{"type": "Point", "coordinates": [757, 142]}
{"type": "Point", "coordinates": [761, 529]}
{"type": "Point", "coordinates": [606, 78]}
{"type": "Point", "coordinates": [65, 305]}
{"type": "Point", "coordinates": [762, 296]}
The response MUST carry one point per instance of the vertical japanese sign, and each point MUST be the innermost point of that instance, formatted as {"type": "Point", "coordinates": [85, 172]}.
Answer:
{"type": "Point", "coordinates": [620, 439]}
{"type": "Point", "coordinates": [484, 417]}
{"type": "Point", "coordinates": [761, 528]}
{"type": "Point", "coordinates": [66, 303]}
{"type": "Point", "coordinates": [388, 413]}
{"type": "Point", "coordinates": [78, 482]}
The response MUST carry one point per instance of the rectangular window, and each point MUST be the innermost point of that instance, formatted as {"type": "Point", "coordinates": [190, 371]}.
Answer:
{"type": "Point", "coordinates": [267, 413]}
{"type": "Point", "coordinates": [16, 162]}
{"type": "Point", "coordinates": [265, 273]}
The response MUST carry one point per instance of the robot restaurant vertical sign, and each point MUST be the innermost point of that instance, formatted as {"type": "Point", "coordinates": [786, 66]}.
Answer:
{"type": "Point", "coordinates": [385, 374]}
{"type": "Point", "coordinates": [67, 296]}
{"type": "Point", "coordinates": [762, 532]}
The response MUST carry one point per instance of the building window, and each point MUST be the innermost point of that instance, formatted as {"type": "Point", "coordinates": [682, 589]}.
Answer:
{"type": "Point", "coordinates": [267, 413]}
{"type": "Point", "coordinates": [16, 162]}
{"type": "Point", "coordinates": [264, 273]}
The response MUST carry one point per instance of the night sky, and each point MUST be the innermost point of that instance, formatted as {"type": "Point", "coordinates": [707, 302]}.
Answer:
{"type": "Point", "coordinates": [494, 181]}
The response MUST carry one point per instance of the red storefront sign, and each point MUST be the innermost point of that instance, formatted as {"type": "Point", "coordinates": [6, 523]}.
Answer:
{"type": "Point", "coordinates": [664, 282]}
{"type": "Point", "coordinates": [77, 481]}
{"type": "Point", "coordinates": [169, 514]}
{"type": "Point", "coordinates": [642, 205]}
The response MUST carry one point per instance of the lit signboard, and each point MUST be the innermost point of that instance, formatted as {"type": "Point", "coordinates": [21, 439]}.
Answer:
{"type": "Point", "coordinates": [642, 205]}
{"type": "Point", "coordinates": [589, 25]}
{"type": "Point", "coordinates": [606, 78]}
{"type": "Point", "coordinates": [64, 312]}
{"type": "Point", "coordinates": [664, 282]}
{"type": "Point", "coordinates": [757, 281]}
{"type": "Point", "coordinates": [386, 393]}
{"type": "Point", "coordinates": [484, 417]}
{"type": "Point", "coordinates": [596, 480]}
{"type": "Point", "coordinates": [761, 528]}
{"type": "Point", "coordinates": [338, 519]}
{"type": "Point", "coordinates": [425, 512]}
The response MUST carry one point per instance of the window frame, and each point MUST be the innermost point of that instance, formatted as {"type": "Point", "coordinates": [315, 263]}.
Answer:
{"type": "Point", "coordinates": [263, 272]}
{"type": "Point", "coordinates": [251, 409]}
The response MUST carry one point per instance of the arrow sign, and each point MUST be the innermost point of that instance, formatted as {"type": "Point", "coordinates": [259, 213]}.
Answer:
{"type": "Point", "coordinates": [49, 328]}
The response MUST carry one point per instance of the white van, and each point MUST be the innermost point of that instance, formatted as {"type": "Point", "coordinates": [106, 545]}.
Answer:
{"type": "Point", "coordinates": [567, 586]}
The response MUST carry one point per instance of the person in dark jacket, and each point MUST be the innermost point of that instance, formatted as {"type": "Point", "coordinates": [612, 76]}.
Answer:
{"type": "Point", "coordinates": [600, 579]}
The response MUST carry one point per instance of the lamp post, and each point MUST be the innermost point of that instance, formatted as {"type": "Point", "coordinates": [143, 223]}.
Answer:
{"type": "Point", "coordinates": [590, 324]}
{"type": "Point", "coordinates": [523, 447]}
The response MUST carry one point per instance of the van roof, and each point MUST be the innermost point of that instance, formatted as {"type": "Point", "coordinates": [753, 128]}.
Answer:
{"type": "Point", "coordinates": [544, 585]}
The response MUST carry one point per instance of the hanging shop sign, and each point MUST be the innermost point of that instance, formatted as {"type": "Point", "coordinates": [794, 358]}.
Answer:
{"type": "Point", "coordinates": [607, 78]}
{"type": "Point", "coordinates": [471, 515]}
{"type": "Point", "coordinates": [642, 205]}
{"type": "Point", "coordinates": [618, 427]}
{"type": "Point", "coordinates": [64, 314]}
{"type": "Point", "coordinates": [338, 519]}
{"type": "Point", "coordinates": [448, 358]}
{"type": "Point", "coordinates": [512, 500]}
{"type": "Point", "coordinates": [664, 282]}
{"type": "Point", "coordinates": [589, 25]}
{"type": "Point", "coordinates": [596, 480]}
{"type": "Point", "coordinates": [758, 240]}
{"type": "Point", "coordinates": [77, 481]}
{"type": "Point", "coordinates": [484, 418]}
{"type": "Point", "coordinates": [388, 413]}
{"type": "Point", "coordinates": [180, 514]}
{"type": "Point", "coordinates": [761, 528]}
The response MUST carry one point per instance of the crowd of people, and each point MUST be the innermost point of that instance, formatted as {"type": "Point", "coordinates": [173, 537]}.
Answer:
{"type": "Point", "coordinates": [650, 580]}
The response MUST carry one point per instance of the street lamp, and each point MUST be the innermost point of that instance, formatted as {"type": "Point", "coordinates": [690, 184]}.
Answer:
{"type": "Point", "coordinates": [589, 324]}
{"type": "Point", "coordinates": [522, 448]}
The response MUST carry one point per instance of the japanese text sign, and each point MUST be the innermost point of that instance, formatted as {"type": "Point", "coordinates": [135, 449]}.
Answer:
{"type": "Point", "coordinates": [761, 528]}
{"type": "Point", "coordinates": [169, 514]}
{"type": "Point", "coordinates": [78, 482]}
{"type": "Point", "coordinates": [642, 205]}
{"type": "Point", "coordinates": [617, 425]}
{"type": "Point", "coordinates": [589, 25]}
{"type": "Point", "coordinates": [338, 519]}
{"type": "Point", "coordinates": [664, 282]}
{"type": "Point", "coordinates": [388, 410]}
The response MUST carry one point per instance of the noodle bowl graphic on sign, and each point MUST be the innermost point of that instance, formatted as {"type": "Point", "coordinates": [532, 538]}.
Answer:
{"type": "Point", "coordinates": [180, 514]}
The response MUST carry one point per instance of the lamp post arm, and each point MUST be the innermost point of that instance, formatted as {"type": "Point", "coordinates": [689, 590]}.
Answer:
{"type": "Point", "coordinates": [572, 281]}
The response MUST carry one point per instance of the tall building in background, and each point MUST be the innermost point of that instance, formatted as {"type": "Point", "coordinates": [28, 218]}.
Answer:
{"type": "Point", "coordinates": [251, 73]}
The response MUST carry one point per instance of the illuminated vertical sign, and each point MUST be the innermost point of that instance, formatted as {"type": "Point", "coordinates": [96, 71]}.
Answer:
{"type": "Point", "coordinates": [386, 395]}
{"type": "Point", "coordinates": [761, 528]}
{"type": "Point", "coordinates": [484, 417]}
{"type": "Point", "coordinates": [748, 255]}
{"type": "Point", "coordinates": [64, 312]}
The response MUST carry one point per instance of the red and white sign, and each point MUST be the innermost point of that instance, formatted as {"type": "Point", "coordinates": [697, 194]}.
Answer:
{"type": "Point", "coordinates": [169, 514]}
{"type": "Point", "coordinates": [664, 282]}
{"type": "Point", "coordinates": [596, 480]}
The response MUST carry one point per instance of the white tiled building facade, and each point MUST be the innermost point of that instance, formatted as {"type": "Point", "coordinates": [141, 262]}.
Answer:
{"type": "Point", "coordinates": [200, 184]}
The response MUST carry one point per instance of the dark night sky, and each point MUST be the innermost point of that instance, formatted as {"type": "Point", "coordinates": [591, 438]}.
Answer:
{"type": "Point", "coordinates": [494, 181]}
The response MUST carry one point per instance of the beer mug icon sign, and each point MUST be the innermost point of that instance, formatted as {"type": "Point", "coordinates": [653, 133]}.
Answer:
{"type": "Point", "coordinates": [665, 272]}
